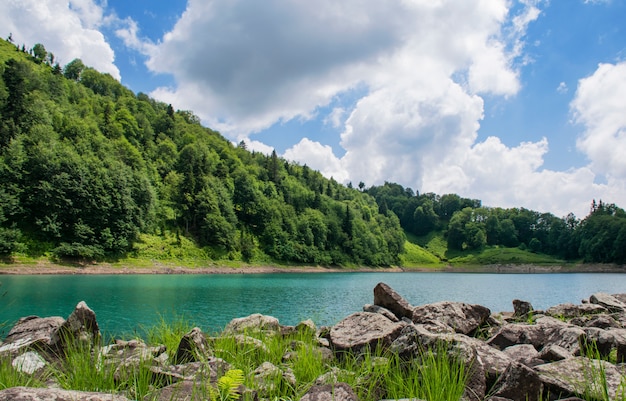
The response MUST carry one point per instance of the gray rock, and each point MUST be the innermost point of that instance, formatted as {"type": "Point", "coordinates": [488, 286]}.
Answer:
{"type": "Point", "coordinates": [569, 310]}
{"type": "Point", "coordinates": [518, 333]}
{"type": "Point", "coordinates": [608, 301]}
{"type": "Point", "coordinates": [81, 325]}
{"type": "Point", "coordinates": [29, 362]}
{"type": "Point", "coordinates": [330, 392]}
{"type": "Point", "coordinates": [547, 331]}
{"type": "Point", "coordinates": [307, 327]}
{"type": "Point", "coordinates": [55, 394]}
{"type": "Point", "coordinates": [31, 332]}
{"type": "Point", "coordinates": [521, 308]}
{"type": "Point", "coordinates": [383, 311]}
{"type": "Point", "coordinates": [208, 370]}
{"type": "Point", "coordinates": [601, 321]}
{"type": "Point", "coordinates": [389, 299]}
{"type": "Point", "coordinates": [268, 375]}
{"type": "Point", "coordinates": [525, 354]}
{"type": "Point", "coordinates": [620, 297]}
{"type": "Point", "coordinates": [253, 323]}
{"type": "Point", "coordinates": [193, 347]}
{"type": "Point", "coordinates": [129, 353]}
{"type": "Point", "coordinates": [574, 376]}
{"type": "Point", "coordinates": [364, 329]}
{"type": "Point", "coordinates": [553, 353]}
{"type": "Point", "coordinates": [519, 383]}
{"type": "Point", "coordinates": [463, 318]}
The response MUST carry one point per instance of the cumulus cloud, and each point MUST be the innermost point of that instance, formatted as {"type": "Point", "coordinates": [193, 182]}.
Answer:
{"type": "Point", "coordinates": [242, 67]}
{"type": "Point", "coordinates": [599, 106]}
{"type": "Point", "coordinates": [69, 29]}
{"type": "Point", "coordinates": [318, 157]}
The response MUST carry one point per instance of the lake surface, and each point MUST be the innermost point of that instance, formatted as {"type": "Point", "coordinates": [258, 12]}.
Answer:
{"type": "Point", "coordinates": [126, 304]}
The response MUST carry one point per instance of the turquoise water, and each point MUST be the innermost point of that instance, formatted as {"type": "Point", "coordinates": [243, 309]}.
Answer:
{"type": "Point", "coordinates": [126, 304]}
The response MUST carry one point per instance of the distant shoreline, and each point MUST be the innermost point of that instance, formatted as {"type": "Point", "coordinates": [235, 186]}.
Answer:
{"type": "Point", "coordinates": [49, 268]}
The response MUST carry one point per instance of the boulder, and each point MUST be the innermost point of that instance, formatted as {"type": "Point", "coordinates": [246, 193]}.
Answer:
{"type": "Point", "coordinates": [547, 331]}
{"type": "Point", "coordinates": [129, 353]}
{"type": "Point", "coordinates": [569, 310]}
{"type": "Point", "coordinates": [521, 308]}
{"type": "Point", "coordinates": [29, 362]}
{"type": "Point", "coordinates": [518, 333]}
{"type": "Point", "coordinates": [525, 354]}
{"type": "Point", "coordinates": [553, 353]}
{"type": "Point", "coordinates": [611, 303]}
{"type": "Point", "coordinates": [579, 376]}
{"type": "Point", "coordinates": [193, 347]}
{"type": "Point", "coordinates": [620, 297]}
{"type": "Point", "coordinates": [81, 325]}
{"type": "Point", "coordinates": [31, 332]}
{"type": "Point", "coordinates": [268, 375]}
{"type": "Point", "coordinates": [48, 394]}
{"type": "Point", "coordinates": [364, 329]}
{"type": "Point", "coordinates": [387, 298]}
{"type": "Point", "coordinates": [252, 323]}
{"type": "Point", "coordinates": [519, 383]}
{"type": "Point", "coordinates": [208, 370]}
{"type": "Point", "coordinates": [463, 318]}
{"type": "Point", "coordinates": [330, 392]}
{"type": "Point", "coordinates": [383, 311]}
{"type": "Point", "coordinates": [601, 321]}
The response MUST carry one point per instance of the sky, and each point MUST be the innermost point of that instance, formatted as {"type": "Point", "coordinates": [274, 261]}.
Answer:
{"type": "Point", "coordinates": [518, 103]}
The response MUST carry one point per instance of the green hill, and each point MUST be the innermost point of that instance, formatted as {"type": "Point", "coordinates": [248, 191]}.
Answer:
{"type": "Point", "coordinates": [90, 170]}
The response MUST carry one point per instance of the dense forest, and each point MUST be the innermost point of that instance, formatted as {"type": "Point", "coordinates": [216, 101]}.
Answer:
{"type": "Point", "coordinates": [87, 167]}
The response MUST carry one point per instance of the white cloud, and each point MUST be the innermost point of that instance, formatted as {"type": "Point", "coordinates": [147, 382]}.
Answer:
{"type": "Point", "coordinates": [68, 29]}
{"type": "Point", "coordinates": [562, 88]}
{"type": "Point", "coordinates": [245, 66]}
{"type": "Point", "coordinates": [599, 106]}
{"type": "Point", "coordinates": [319, 157]}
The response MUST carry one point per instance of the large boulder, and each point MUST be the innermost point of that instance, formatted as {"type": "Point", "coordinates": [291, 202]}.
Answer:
{"type": "Point", "coordinates": [81, 325]}
{"type": "Point", "coordinates": [525, 354]}
{"type": "Point", "coordinates": [193, 347]}
{"type": "Point", "coordinates": [518, 383]}
{"type": "Point", "coordinates": [580, 377]}
{"type": "Point", "coordinates": [364, 329]}
{"type": "Point", "coordinates": [31, 332]}
{"type": "Point", "coordinates": [55, 394]}
{"type": "Point", "coordinates": [547, 331]}
{"type": "Point", "coordinates": [389, 299]}
{"type": "Point", "coordinates": [569, 310]}
{"type": "Point", "coordinates": [610, 302]}
{"type": "Point", "coordinates": [521, 308]}
{"type": "Point", "coordinates": [461, 317]}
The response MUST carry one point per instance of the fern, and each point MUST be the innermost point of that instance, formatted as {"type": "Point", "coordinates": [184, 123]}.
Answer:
{"type": "Point", "coordinates": [228, 386]}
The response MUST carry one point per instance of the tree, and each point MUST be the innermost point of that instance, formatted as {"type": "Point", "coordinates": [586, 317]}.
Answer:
{"type": "Point", "coordinates": [74, 69]}
{"type": "Point", "coordinates": [40, 53]}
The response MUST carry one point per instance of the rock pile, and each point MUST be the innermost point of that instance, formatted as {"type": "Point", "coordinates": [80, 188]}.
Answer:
{"type": "Point", "coordinates": [522, 355]}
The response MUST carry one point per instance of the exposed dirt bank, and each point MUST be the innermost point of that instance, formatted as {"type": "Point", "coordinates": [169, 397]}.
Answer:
{"type": "Point", "coordinates": [46, 267]}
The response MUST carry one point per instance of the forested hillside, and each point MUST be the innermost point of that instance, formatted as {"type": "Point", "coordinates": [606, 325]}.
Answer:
{"type": "Point", "coordinates": [468, 226]}
{"type": "Point", "coordinates": [86, 166]}
{"type": "Point", "coordinates": [88, 169]}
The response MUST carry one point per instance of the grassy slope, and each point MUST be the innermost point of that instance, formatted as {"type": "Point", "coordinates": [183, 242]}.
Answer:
{"type": "Point", "coordinates": [435, 245]}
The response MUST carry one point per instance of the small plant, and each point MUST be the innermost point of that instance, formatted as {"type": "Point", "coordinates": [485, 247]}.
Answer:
{"type": "Point", "coordinates": [596, 385]}
{"type": "Point", "coordinates": [228, 386]}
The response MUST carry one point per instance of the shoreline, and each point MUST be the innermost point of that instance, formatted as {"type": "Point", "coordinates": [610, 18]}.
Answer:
{"type": "Point", "coordinates": [50, 268]}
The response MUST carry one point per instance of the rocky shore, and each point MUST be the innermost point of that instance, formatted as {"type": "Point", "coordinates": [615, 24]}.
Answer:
{"type": "Point", "coordinates": [567, 352]}
{"type": "Point", "coordinates": [47, 267]}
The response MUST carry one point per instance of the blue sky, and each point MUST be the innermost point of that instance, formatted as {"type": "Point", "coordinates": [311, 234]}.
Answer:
{"type": "Point", "coordinates": [517, 103]}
